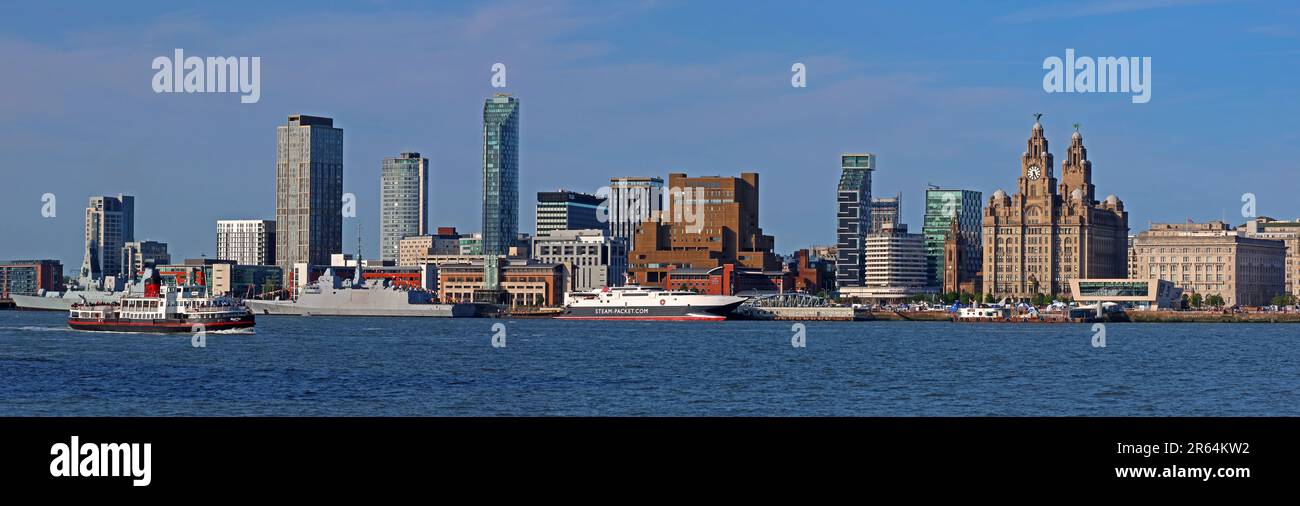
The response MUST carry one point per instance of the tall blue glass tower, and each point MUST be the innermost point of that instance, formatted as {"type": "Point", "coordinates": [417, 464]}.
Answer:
{"type": "Point", "coordinates": [500, 173]}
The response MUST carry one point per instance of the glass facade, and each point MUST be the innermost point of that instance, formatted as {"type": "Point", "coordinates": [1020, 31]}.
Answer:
{"type": "Point", "coordinates": [1114, 288]}
{"type": "Point", "coordinates": [308, 191]}
{"type": "Point", "coordinates": [404, 201]}
{"type": "Point", "coordinates": [853, 218]}
{"type": "Point", "coordinates": [942, 207]}
{"type": "Point", "coordinates": [500, 173]}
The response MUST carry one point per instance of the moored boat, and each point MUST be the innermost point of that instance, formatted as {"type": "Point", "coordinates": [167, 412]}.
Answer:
{"type": "Point", "coordinates": [646, 303]}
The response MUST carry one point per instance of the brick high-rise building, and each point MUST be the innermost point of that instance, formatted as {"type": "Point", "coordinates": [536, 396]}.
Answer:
{"type": "Point", "coordinates": [707, 222]}
{"type": "Point", "coordinates": [1036, 241]}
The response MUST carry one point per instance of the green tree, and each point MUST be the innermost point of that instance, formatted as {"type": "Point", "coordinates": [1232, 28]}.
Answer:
{"type": "Point", "coordinates": [1215, 300]}
{"type": "Point", "coordinates": [1196, 300]}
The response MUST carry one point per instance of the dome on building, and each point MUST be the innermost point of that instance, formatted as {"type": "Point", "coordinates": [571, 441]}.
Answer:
{"type": "Point", "coordinates": [1076, 135]}
{"type": "Point", "coordinates": [999, 194]}
{"type": "Point", "coordinates": [1112, 199]}
{"type": "Point", "coordinates": [1077, 194]}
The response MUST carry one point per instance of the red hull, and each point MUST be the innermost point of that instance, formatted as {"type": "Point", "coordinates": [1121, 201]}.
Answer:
{"type": "Point", "coordinates": [157, 326]}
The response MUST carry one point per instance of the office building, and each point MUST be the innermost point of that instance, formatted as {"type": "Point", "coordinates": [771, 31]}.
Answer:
{"type": "Point", "coordinates": [1288, 232]}
{"type": "Point", "coordinates": [308, 191]}
{"type": "Point", "coordinates": [708, 222]}
{"type": "Point", "coordinates": [247, 242]}
{"type": "Point", "coordinates": [894, 266]}
{"type": "Point", "coordinates": [403, 200]}
{"type": "Point", "coordinates": [633, 201]}
{"type": "Point", "coordinates": [110, 224]}
{"type": "Point", "coordinates": [944, 209]}
{"type": "Point", "coordinates": [417, 250]}
{"type": "Point", "coordinates": [853, 218]}
{"type": "Point", "coordinates": [140, 255]}
{"type": "Point", "coordinates": [500, 173]}
{"type": "Point", "coordinates": [593, 259]}
{"type": "Point", "coordinates": [1045, 235]}
{"type": "Point", "coordinates": [886, 210]}
{"type": "Point", "coordinates": [521, 282]}
{"type": "Point", "coordinates": [566, 210]}
{"type": "Point", "coordinates": [1213, 259]}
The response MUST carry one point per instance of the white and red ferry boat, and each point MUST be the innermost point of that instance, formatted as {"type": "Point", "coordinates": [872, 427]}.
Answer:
{"type": "Point", "coordinates": [162, 309]}
{"type": "Point", "coordinates": [646, 303]}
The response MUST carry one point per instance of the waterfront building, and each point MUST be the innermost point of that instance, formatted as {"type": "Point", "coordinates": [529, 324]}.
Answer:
{"type": "Point", "coordinates": [894, 266]}
{"type": "Point", "coordinates": [110, 224]}
{"type": "Point", "coordinates": [247, 242]}
{"type": "Point", "coordinates": [471, 244]}
{"type": "Point", "coordinates": [523, 283]}
{"type": "Point", "coordinates": [1148, 294]}
{"type": "Point", "coordinates": [593, 259]}
{"type": "Point", "coordinates": [416, 250]}
{"type": "Point", "coordinates": [1213, 259]}
{"type": "Point", "coordinates": [709, 221]}
{"type": "Point", "coordinates": [308, 191]}
{"type": "Point", "coordinates": [403, 200]}
{"type": "Point", "coordinates": [500, 173]}
{"type": "Point", "coordinates": [139, 255]}
{"type": "Point", "coordinates": [567, 210]}
{"type": "Point", "coordinates": [1288, 232]}
{"type": "Point", "coordinates": [886, 210]}
{"type": "Point", "coordinates": [953, 217]}
{"type": "Point", "coordinates": [632, 201]}
{"type": "Point", "coordinates": [853, 218]}
{"type": "Point", "coordinates": [29, 277]}
{"type": "Point", "coordinates": [1046, 234]}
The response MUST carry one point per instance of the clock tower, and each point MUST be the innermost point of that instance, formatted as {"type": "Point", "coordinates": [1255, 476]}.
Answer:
{"type": "Point", "coordinates": [1036, 179]}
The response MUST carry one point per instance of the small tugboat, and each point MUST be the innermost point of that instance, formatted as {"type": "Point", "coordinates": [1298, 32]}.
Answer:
{"type": "Point", "coordinates": [162, 309]}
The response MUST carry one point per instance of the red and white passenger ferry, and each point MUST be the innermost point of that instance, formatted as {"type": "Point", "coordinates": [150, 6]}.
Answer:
{"type": "Point", "coordinates": [162, 309]}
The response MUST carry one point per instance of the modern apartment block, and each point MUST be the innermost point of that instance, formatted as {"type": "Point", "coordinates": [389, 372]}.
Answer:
{"type": "Point", "coordinates": [29, 277]}
{"type": "Point", "coordinates": [1211, 258]}
{"type": "Point", "coordinates": [308, 191]}
{"type": "Point", "coordinates": [886, 210]}
{"type": "Point", "coordinates": [500, 173]}
{"type": "Point", "coordinates": [594, 260]}
{"type": "Point", "coordinates": [110, 224]}
{"type": "Point", "coordinates": [632, 201]}
{"type": "Point", "coordinates": [943, 210]}
{"type": "Point", "coordinates": [567, 210]}
{"type": "Point", "coordinates": [247, 242]}
{"type": "Point", "coordinates": [403, 201]}
{"type": "Point", "coordinates": [709, 221]}
{"type": "Point", "coordinates": [139, 255]}
{"type": "Point", "coordinates": [853, 218]}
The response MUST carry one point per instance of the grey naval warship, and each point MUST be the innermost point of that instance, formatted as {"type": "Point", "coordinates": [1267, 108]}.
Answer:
{"type": "Point", "coordinates": [333, 296]}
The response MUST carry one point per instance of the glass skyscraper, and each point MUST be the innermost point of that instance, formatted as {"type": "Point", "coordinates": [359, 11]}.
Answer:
{"type": "Point", "coordinates": [853, 218]}
{"type": "Point", "coordinates": [500, 173]}
{"type": "Point", "coordinates": [404, 201]}
{"type": "Point", "coordinates": [308, 192]}
{"type": "Point", "coordinates": [942, 207]}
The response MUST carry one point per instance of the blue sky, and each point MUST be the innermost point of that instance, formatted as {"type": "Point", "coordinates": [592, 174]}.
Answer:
{"type": "Point", "coordinates": [943, 93]}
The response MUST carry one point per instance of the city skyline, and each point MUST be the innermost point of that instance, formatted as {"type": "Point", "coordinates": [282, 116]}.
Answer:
{"type": "Point", "coordinates": [953, 125]}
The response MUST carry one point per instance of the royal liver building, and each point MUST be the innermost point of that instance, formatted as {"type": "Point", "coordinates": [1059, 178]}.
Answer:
{"type": "Point", "coordinates": [1036, 241]}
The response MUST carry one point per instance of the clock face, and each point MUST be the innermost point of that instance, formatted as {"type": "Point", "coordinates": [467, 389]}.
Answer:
{"type": "Point", "coordinates": [1034, 172]}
